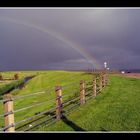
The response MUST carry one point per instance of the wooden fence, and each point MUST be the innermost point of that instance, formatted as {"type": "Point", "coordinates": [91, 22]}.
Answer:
{"type": "Point", "coordinates": [97, 85]}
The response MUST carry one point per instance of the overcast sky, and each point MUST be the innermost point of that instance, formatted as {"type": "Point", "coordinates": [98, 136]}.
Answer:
{"type": "Point", "coordinates": [46, 38]}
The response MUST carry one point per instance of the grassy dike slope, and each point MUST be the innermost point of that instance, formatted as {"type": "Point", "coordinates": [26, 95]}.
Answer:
{"type": "Point", "coordinates": [46, 81]}
{"type": "Point", "coordinates": [117, 108]}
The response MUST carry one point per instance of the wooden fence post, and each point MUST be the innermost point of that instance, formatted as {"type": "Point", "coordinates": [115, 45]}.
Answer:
{"type": "Point", "coordinates": [58, 102]}
{"type": "Point", "coordinates": [103, 80]}
{"type": "Point", "coordinates": [94, 87]}
{"type": "Point", "coordinates": [100, 82]}
{"type": "Point", "coordinates": [82, 92]}
{"type": "Point", "coordinates": [8, 113]}
{"type": "Point", "coordinates": [106, 79]}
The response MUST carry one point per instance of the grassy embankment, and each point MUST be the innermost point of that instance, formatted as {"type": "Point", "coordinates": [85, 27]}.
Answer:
{"type": "Point", "coordinates": [44, 81]}
{"type": "Point", "coordinates": [115, 109]}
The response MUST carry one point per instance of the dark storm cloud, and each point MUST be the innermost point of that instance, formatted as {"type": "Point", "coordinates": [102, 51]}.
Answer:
{"type": "Point", "coordinates": [110, 35]}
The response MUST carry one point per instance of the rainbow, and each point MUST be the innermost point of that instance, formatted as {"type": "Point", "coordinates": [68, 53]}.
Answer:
{"type": "Point", "coordinates": [59, 37]}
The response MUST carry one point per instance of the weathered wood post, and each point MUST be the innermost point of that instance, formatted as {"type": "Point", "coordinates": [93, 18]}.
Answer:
{"type": "Point", "coordinates": [58, 91]}
{"type": "Point", "coordinates": [100, 82]}
{"type": "Point", "coordinates": [106, 79]}
{"type": "Point", "coordinates": [8, 113]}
{"type": "Point", "coordinates": [103, 80]}
{"type": "Point", "coordinates": [82, 92]}
{"type": "Point", "coordinates": [94, 87]}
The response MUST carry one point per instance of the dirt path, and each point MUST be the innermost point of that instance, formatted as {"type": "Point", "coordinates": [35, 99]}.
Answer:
{"type": "Point", "coordinates": [131, 75]}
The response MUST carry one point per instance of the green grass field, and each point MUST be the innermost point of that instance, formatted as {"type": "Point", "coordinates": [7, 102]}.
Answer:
{"type": "Point", "coordinates": [115, 109]}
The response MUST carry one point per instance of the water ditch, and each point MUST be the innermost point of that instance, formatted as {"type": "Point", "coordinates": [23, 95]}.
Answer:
{"type": "Point", "coordinates": [19, 84]}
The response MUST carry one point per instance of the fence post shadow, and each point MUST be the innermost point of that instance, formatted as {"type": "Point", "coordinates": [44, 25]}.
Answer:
{"type": "Point", "coordinates": [71, 124]}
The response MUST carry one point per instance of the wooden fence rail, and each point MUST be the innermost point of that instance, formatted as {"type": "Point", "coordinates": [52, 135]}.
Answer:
{"type": "Point", "coordinates": [8, 101]}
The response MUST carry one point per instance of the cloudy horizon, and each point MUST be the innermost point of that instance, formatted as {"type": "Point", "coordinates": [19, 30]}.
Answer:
{"type": "Point", "coordinates": [69, 38]}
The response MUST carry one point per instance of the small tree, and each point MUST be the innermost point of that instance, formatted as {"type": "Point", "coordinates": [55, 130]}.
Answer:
{"type": "Point", "coordinates": [16, 76]}
{"type": "Point", "coordinates": [1, 78]}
